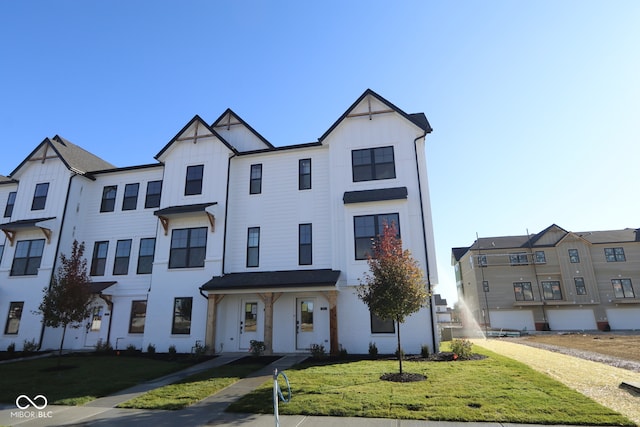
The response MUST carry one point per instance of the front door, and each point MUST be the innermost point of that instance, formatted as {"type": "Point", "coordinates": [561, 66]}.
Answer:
{"type": "Point", "coordinates": [305, 327]}
{"type": "Point", "coordinates": [93, 326]}
{"type": "Point", "coordinates": [248, 323]}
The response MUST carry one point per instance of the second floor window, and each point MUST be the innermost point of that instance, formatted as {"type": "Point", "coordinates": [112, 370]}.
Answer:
{"type": "Point", "coordinates": [193, 183]}
{"type": "Point", "coordinates": [99, 258]}
{"type": "Point", "coordinates": [304, 174]}
{"type": "Point", "coordinates": [146, 254]}
{"type": "Point", "coordinates": [11, 201]}
{"type": "Point", "coordinates": [108, 203]}
{"type": "Point", "coordinates": [523, 291]}
{"type": "Point", "coordinates": [614, 254]}
{"type": "Point", "coordinates": [581, 289]}
{"type": "Point", "coordinates": [622, 288]}
{"type": "Point", "coordinates": [304, 244]}
{"type": "Point", "coordinates": [27, 258]}
{"type": "Point", "coordinates": [372, 164]}
{"type": "Point", "coordinates": [367, 228]}
{"type": "Point", "coordinates": [253, 247]}
{"type": "Point", "coordinates": [123, 251]}
{"type": "Point", "coordinates": [551, 290]}
{"type": "Point", "coordinates": [154, 190]}
{"type": "Point", "coordinates": [255, 184]}
{"type": "Point", "coordinates": [130, 200]}
{"type": "Point", "coordinates": [188, 247]}
{"type": "Point", "coordinates": [40, 196]}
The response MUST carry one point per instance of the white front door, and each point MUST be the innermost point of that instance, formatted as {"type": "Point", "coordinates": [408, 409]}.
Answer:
{"type": "Point", "coordinates": [248, 323]}
{"type": "Point", "coordinates": [93, 326]}
{"type": "Point", "coordinates": [305, 326]}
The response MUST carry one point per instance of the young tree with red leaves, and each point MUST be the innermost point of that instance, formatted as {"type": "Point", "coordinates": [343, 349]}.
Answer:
{"type": "Point", "coordinates": [67, 301]}
{"type": "Point", "coordinates": [394, 288]}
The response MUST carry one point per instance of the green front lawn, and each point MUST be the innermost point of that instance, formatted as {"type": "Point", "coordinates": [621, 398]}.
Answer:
{"type": "Point", "coordinates": [495, 389]}
{"type": "Point", "coordinates": [88, 377]}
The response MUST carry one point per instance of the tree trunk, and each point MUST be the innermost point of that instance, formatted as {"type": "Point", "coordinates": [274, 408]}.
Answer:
{"type": "Point", "coordinates": [399, 348]}
{"type": "Point", "coordinates": [64, 332]}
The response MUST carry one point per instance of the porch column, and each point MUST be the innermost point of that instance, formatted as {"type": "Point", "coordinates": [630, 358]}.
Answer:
{"type": "Point", "coordinates": [268, 299]}
{"type": "Point", "coordinates": [210, 332]}
{"type": "Point", "coordinates": [332, 296]}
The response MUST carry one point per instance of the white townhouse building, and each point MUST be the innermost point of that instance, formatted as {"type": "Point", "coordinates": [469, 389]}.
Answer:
{"type": "Point", "coordinates": [225, 239]}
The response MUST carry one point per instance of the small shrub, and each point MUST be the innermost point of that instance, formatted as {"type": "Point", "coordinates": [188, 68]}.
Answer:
{"type": "Point", "coordinates": [11, 348]}
{"type": "Point", "coordinates": [103, 347]}
{"type": "Point", "coordinates": [317, 351]}
{"type": "Point", "coordinates": [131, 350]}
{"type": "Point", "coordinates": [151, 349]}
{"type": "Point", "coordinates": [399, 353]}
{"type": "Point", "coordinates": [172, 352]}
{"type": "Point", "coordinates": [342, 352]}
{"type": "Point", "coordinates": [198, 350]}
{"type": "Point", "coordinates": [256, 348]}
{"type": "Point", "coordinates": [424, 351]}
{"type": "Point", "coordinates": [373, 349]}
{"type": "Point", "coordinates": [461, 348]}
{"type": "Point", "coordinates": [29, 346]}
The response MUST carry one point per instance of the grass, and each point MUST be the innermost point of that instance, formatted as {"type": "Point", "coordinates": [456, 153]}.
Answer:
{"type": "Point", "coordinates": [86, 378]}
{"type": "Point", "coordinates": [192, 389]}
{"type": "Point", "coordinates": [622, 346]}
{"type": "Point", "coordinates": [495, 389]}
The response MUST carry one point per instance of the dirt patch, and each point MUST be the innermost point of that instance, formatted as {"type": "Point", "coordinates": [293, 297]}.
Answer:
{"type": "Point", "coordinates": [625, 347]}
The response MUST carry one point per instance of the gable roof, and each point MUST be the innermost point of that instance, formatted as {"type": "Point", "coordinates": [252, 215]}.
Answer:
{"type": "Point", "coordinates": [6, 180]}
{"type": "Point", "coordinates": [418, 119]}
{"type": "Point", "coordinates": [229, 114]}
{"type": "Point", "coordinates": [74, 157]}
{"type": "Point", "coordinates": [198, 120]}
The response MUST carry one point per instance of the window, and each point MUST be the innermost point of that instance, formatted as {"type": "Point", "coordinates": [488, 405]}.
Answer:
{"type": "Point", "coordinates": [581, 289]}
{"type": "Point", "coordinates": [108, 198]}
{"type": "Point", "coordinates": [381, 326]}
{"type": "Point", "coordinates": [145, 256]}
{"type": "Point", "coordinates": [614, 254]}
{"type": "Point", "coordinates": [138, 317]}
{"type": "Point", "coordinates": [40, 196]}
{"type": "Point", "coordinates": [551, 290]}
{"type": "Point", "coordinates": [123, 251]}
{"type": "Point", "coordinates": [482, 260]}
{"type": "Point", "coordinates": [373, 163]}
{"type": "Point", "coordinates": [13, 318]}
{"type": "Point", "coordinates": [255, 181]}
{"type": "Point", "coordinates": [154, 190]}
{"type": "Point", "coordinates": [367, 228]}
{"type": "Point", "coordinates": [304, 244]}
{"type": "Point", "coordinates": [573, 256]}
{"type": "Point", "coordinates": [253, 247]}
{"type": "Point", "coordinates": [182, 316]}
{"type": "Point", "coordinates": [518, 259]}
{"type": "Point", "coordinates": [193, 184]}
{"type": "Point", "coordinates": [304, 174]}
{"type": "Point", "coordinates": [26, 261]}
{"type": "Point", "coordinates": [623, 288]}
{"type": "Point", "coordinates": [523, 291]}
{"type": "Point", "coordinates": [188, 247]}
{"type": "Point", "coordinates": [96, 318]}
{"type": "Point", "coordinates": [99, 258]}
{"type": "Point", "coordinates": [11, 201]}
{"type": "Point", "coordinates": [130, 200]}
{"type": "Point", "coordinates": [540, 257]}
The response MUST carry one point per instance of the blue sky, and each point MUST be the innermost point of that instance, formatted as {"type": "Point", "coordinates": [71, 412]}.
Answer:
{"type": "Point", "coordinates": [534, 104]}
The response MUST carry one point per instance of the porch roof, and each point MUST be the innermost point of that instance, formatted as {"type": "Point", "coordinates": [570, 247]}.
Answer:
{"type": "Point", "coordinates": [98, 287]}
{"type": "Point", "coordinates": [273, 279]}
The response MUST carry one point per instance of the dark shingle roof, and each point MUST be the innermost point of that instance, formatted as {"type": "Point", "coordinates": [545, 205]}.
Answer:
{"type": "Point", "coordinates": [271, 279]}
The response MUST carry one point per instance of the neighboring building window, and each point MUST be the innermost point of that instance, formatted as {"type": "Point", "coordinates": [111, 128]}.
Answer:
{"type": "Point", "coordinates": [381, 326]}
{"type": "Point", "coordinates": [581, 289]}
{"type": "Point", "coordinates": [154, 190]}
{"type": "Point", "coordinates": [482, 260]}
{"type": "Point", "coordinates": [367, 228]}
{"type": "Point", "coordinates": [11, 201]}
{"type": "Point", "coordinates": [123, 252]}
{"type": "Point", "coordinates": [540, 257]}
{"type": "Point", "coordinates": [614, 254]}
{"type": "Point", "coordinates": [145, 256]}
{"type": "Point", "coordinates": [623, 288]}
{"type": "Point", "coordinates": [304, 244]}
{"type": "Point", "coordinates": [108, 203]}
{"type": "Point", "coordinates": [28, 255]}
{"type": "Point", "coordinates": [574, 257]}
{"type": "Point", "coordinates": [551, 290]}
{"type": "Point", "coordinates": [373, 163]}
{"type": "Point", "coordinates": [193, 184]}
{"type": "Point", "coordinates": [138, 317]}
{"type": "Point", "coordinates": [304, 174]}
{"type": "Point", "coordinates": [99, 258]}
{"type": "Point", "coordinates": [130, 200]}
{"type": "Point", "coordinates": [518, 259]}
{"type": "Point", "coordinates": [188, 247]}
{"type": "Point", "coordinates": [523, 291]}
{"type": "Point", "coordinates": [253, 247]}
{"type": "Point", "coordinates": [13, 318]}
{"type": "Point", "coordinates": [182, 316]}
{"type": "Point", "coordinates": [40, 196]}
{"type": "Point", "coordinates": [255, 180]}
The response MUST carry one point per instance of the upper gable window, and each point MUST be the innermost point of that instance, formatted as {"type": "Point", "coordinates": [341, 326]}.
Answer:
{"type": "Point", "coordinates": [304, 174]}
{"type": "Point", "coordinates": [574, 256]}
{"type": "Point", "coordinates": [154, 191]}
{"type": "Point", "coordinates": [11, 201]}
{"type": "Point", "coordinates": [108, 203]}
{"type": "Point", "coordinates": [130, 200]}
{"type": "Point", "coordinates": [40, 196]}
{"type": "Point", "coordinates": [255, 184]}
{"type": "Point", "coordinates": [373, 163]}
{"type": "Point", "coordinates": [193, 184]}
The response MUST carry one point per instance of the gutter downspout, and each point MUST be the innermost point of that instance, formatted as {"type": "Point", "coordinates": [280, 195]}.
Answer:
{"type": "Point", "coordinates": [424, 240]}
{"type": "Point", "coordinates": [226, 211]}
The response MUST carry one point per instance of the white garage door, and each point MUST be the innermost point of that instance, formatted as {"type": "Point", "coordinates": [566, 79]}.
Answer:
{"type": "Point", "coordinates": [521, 320]}
{"type": "Point", "coordinates": [624, 318]}
{"type": "Point", "coordinates": [571, 320]}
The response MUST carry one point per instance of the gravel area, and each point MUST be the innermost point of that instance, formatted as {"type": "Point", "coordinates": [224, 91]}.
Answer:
{"type": "Point", "coordinates": [594, 375]}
